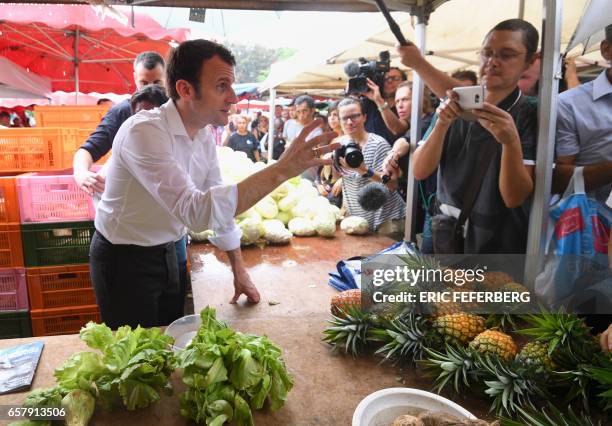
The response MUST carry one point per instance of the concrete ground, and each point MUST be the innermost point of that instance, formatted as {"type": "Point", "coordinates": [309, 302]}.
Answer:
{"type": "Point", "coordinates": [293, 312]}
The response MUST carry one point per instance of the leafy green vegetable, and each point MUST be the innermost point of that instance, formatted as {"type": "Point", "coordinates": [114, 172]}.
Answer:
{"type": "Point", "coordinates": [228, 373]}
{"type": "Point", "coordinates": [130, 367]}
{"type": "Point", "coordinates": [79, 406]}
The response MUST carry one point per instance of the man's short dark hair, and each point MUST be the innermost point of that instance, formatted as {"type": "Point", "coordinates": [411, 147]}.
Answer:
{"type": "Point", "coordinates": [305, 98]}
{"type": "Point", "coordinates": [351, 100]}
{"type": "Point", "coordinates": [531, 37]}
{"type": "Point", "coordinates": [609, 34]}
{"type": "Point", "coordinates": [149, 60]}
{"type": "Point", "coordinates": [151, 93]}
{"type": "Point", "coordinates": [102, 100]}
{"type": "Point", "coordinates": [466, 75]}
{"type": "Point", "coordinates": [186, 61]}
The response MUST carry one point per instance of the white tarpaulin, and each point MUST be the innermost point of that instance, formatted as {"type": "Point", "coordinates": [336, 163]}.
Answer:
{"type": "Point", "coordinates": [454, 35]}
{"type": "Point", "coordinates": [16, 82]}
{"type": "Point", "coordinates": [590, 30]}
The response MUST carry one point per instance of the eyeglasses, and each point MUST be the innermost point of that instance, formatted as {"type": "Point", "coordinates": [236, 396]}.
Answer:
{"type": "Point", "coordinates": [352, 117]}
{"type": "Point", "coordinates": [392, 78]}
{"type": "Point", "coordinates": [504, 55]}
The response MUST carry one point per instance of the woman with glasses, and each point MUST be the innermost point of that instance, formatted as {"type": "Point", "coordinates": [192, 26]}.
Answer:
{"type": "Point", "coordinates": [486, 162]}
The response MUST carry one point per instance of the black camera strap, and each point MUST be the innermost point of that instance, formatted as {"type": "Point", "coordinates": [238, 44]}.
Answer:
{"type": "Point", "coordinates": [473, 189]}
{"type": "Point", "coordinates": [484, 159]}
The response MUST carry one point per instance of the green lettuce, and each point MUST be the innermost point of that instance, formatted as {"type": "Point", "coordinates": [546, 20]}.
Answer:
{"type": "Point", "coordinates": [228, 373]}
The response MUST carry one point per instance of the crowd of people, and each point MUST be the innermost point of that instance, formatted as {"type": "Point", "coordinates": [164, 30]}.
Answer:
{"type": "Point", "coordinates": [474, 169]}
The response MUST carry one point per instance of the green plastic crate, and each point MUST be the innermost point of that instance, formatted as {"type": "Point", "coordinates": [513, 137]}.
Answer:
{"type": "Point", "coordinates": [47, 244]}
{"type": "Point", "coordinates": [15, 324]}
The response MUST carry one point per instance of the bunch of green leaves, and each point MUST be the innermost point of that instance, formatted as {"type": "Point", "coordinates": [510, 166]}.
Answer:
{"type": "Point", "coordinates": [130, 367]}
{"type": "Point", "coordinates": [228, 373]}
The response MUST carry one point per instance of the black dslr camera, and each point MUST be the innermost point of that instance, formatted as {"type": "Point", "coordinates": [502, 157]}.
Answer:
{"type": "Point", "coordinates": [351, 153]}
{"type": "Point", "coordinates": [360, 71]}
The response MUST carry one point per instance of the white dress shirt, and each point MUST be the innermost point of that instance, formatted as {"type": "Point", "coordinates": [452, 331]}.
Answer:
{"type": "Point", "coordinates": [159, 181]}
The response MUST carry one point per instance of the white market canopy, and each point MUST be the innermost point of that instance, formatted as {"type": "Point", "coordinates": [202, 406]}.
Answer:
{"type": "Point", "coordinates": [454, 34]}
{"type": "Point", "coordinates": [16, 82]}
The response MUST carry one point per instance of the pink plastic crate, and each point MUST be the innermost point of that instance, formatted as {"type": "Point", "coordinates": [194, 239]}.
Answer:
{"type": "Point", "coordinates": [52, 196]}
{"type": "Point", "coordinates": [13, 289]}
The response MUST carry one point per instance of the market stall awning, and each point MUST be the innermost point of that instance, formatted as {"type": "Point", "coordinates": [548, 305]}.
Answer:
{"type": "Point", "coordinates": [316, 5]}
{"type": "Point", "coordinates": [16, 82]}
{"type": "Point", "coordinates": [454, 36]}
{"type": "Point", "coordinates": [81, 48]}
{"type": "Point", "coordinates": [590, 30]}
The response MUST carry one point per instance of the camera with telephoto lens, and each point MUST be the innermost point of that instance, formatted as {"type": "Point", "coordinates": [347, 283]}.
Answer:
{"type": "Point", "coordinates": [359, 72]}
{"type": "Point", "coordinates": [351, 153]}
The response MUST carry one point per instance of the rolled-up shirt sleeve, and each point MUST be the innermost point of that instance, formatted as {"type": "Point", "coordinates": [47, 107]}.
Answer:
{"type": "Point", "coordinates": [147, 154]}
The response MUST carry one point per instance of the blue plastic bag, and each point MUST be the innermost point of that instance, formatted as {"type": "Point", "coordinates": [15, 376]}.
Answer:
{"type": "Point", "coordinates": [578, 235]}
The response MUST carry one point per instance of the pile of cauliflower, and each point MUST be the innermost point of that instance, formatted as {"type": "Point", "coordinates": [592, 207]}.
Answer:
{"type": "Point", "coordinates": [294, 208]}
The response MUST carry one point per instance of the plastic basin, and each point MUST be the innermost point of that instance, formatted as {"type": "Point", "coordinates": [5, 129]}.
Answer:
{"type": "Point", "coordinates": [382, 407]}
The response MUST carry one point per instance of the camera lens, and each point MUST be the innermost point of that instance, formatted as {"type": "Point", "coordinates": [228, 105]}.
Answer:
{"type": "Point", "coordinates": [353, 157]}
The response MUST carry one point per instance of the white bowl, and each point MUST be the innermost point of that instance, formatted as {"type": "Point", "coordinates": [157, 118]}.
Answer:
{"type": "Point", "coordinates": [183, 330]}
{"type": "Point", "coordinates": [382, 407]}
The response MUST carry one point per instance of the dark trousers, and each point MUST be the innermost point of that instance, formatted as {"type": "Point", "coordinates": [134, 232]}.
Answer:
{"type": "Point", "coordinates": [137, 285]}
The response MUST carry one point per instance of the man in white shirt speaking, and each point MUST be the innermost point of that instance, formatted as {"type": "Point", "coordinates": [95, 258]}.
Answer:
{"type": "Point", "coordinates": [164, 176]}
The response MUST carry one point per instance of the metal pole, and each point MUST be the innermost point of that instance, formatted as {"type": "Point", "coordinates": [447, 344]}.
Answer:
{"type": "Point", "coordinates": [521, 13]}
{"type": "Point", "coordinates": [547, 119]}
{"type": "Point", "coordinates": [76, 66]}
{"type": "Point", "coordinates": [420, 33]}
{"type": "Point", "coordinates": [271, 124]}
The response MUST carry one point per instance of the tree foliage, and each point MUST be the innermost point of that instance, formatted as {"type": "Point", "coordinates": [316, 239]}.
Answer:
{"type": "Point", "coordinates": [253, 61]}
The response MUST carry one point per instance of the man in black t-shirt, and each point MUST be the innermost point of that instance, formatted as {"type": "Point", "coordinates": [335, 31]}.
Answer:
{"type": "Point", "coordinates": [243, 140]}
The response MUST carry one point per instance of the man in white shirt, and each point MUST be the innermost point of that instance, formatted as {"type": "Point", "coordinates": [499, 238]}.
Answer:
{"type": "Point", "coordinates": [164, 176]}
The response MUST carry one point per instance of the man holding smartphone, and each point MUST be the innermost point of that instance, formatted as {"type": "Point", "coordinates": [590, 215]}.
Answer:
{"type": "Point", "coordinates": [505, 129]}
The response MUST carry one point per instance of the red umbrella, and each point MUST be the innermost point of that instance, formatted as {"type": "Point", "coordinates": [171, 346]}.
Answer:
{"type": "Point", "coordinates": [80, 47]}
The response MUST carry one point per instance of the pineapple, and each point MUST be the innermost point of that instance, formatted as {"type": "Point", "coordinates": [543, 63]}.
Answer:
{"type": "Point", "coordinates": [405, 338]}
{"type": "Point", "coordinates": [493, 342]}
{"type": "Point", "coordinates": [456, 366]}
{"type": "Point", "coordinates": [509, 385]}
{"type": "Point", "coordinates": [534, 355]}
{"type": "Point", "coordinates": [503, 322]}
{"type": "Point", "coordinates": [345, 300]}
{"type": "Point", "coordinates": [494, 280]}
{"type": "Point", "coordinates": [459, 328]}
{"type": "Point", "coordinates": [349, 330]}
{"type": "Point", "coordinates": [570, 342]}
{"type": "Point", "coordinates": [440, 309]}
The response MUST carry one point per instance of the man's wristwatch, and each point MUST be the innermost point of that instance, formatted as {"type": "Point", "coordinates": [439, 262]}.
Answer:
{"type": "Point", "coordinates": [369, 173]}
{"type": "Point", "coordinates": [384, 106]}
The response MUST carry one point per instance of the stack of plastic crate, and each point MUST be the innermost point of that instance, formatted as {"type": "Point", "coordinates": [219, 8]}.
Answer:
{"type": "Point", "coordinates": [14, 314]}
{"type": "Point", "coordinates": [56, 229]}
{"type": "Point", "coordinates": [83, 118]}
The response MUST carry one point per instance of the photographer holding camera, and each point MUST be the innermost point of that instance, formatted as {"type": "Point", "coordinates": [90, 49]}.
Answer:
{"type": "Point", "coordinates": [375, 82]}
{"type": "Point", "coordinates": [360, 160]}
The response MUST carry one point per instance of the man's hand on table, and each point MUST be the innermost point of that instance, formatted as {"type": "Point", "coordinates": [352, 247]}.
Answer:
{"type": "Point", "coordinates": [244, 285]}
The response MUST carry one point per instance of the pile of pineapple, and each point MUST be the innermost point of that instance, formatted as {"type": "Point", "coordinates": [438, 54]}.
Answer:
{"type": "Point", "coordinates": [520, 362]}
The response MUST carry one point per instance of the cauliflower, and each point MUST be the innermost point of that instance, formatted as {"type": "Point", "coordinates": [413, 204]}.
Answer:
{"type": "Point", "coordinates": [301, 227]}
{"type": "Point", "coordinates": [267, 208]}
{"type": "Point", "coordinates": [354, 225]}
{"type": "Point", "coordinates": [201, 236]}
{"type": "Point", "coordinates": [282, 191]}
{"type": "Point", "coordinates": [336, 211]}
{"type": "Point", "coordinates": [252, 213]}
{"type": "Point", "coordinates": [289, 202]}
{"type": "Point", "coordinates": [276, 233]}
{"type": "Point", "coordinates": [252, 231]}
{"type": "Point", "coordinates": [284, 217]}
{"type": "Point", "coordinates": [325, 225]}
